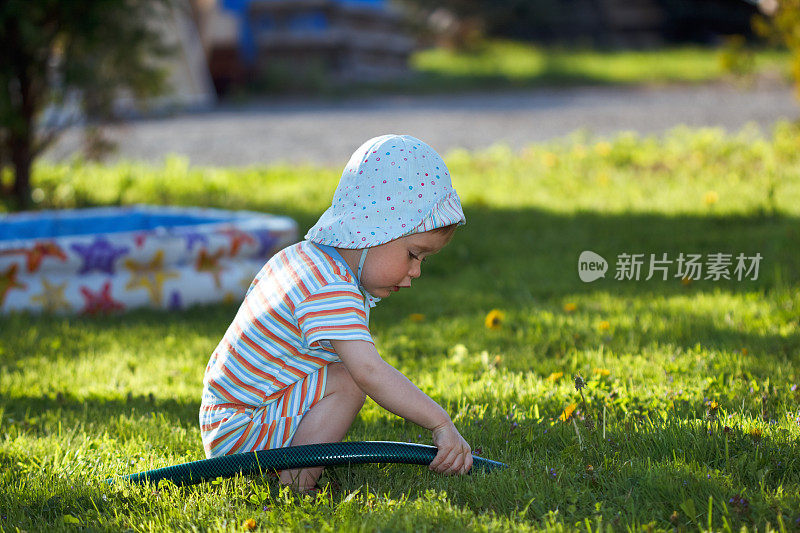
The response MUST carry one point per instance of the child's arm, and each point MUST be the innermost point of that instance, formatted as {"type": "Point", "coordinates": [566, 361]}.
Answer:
{"type": "Point", "coordinates": [394, 392]}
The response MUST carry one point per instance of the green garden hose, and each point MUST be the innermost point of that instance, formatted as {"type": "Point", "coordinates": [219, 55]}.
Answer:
{"type": "Point", "coordinates": [308, 455]}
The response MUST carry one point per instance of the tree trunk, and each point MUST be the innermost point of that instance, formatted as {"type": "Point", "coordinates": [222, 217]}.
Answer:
{"type": "Point", "coordinates": [21, 189]}
{"type": "Point", "coordinates": [22, 136]}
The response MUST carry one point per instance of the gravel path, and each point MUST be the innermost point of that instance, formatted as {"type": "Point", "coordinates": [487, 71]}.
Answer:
{"type": "Point", "coordinates": [328, 132]}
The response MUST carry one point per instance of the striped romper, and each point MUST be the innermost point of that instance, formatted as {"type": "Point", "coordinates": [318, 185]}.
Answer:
{"type": "Point", "coordinates": [270, 367]}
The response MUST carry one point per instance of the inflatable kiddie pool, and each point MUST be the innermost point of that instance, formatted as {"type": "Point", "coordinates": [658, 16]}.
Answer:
{"type": "Point", "coordinates": [111, 259]}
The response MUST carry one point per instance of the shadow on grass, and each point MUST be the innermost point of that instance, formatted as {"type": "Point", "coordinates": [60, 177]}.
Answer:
{"type": "Point", "coordinates": [524, 260]}
{"type": "Point", "coordinates": [642, 472]}
{"type": "Point", "coordinates": [34, 415]}
{"type": "Point", "coordinates": [558, 70]}
{"type": "Point", "coordinates": [530, 253]}
{"type": "Point", "coordinates": [429, 83]}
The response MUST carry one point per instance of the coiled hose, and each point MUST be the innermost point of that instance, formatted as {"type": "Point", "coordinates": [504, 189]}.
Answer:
{"type": "Point", "coordinates": [307, 455]}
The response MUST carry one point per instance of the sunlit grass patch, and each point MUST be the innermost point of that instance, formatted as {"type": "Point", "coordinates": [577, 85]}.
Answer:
{"type": "Point", "coordinates": [510, 64]}
{"type": "Point", "coordinates": [691, 397]}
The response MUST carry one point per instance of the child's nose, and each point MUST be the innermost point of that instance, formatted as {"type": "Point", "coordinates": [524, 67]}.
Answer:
{"type": "Point", "coordinates": [416, 270]}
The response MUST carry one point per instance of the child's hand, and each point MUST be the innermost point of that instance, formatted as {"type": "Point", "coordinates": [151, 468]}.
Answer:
{"type": "Point", "coordinates": [454, 455]}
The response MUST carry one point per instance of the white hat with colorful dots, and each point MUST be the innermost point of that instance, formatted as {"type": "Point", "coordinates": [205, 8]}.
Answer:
{"type": "Point", "coordinates": [394, 185]}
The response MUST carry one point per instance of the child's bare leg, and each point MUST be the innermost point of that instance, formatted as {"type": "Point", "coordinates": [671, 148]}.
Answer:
{"type": "Point", "coordinates": [327, 421]}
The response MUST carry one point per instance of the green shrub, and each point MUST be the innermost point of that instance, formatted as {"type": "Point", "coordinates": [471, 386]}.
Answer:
{"type": "Point", "coordinates": [783, 27]}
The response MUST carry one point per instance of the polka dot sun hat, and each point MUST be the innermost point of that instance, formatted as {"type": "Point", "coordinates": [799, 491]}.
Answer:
{"type": "Point", "coordinates": [393, 185]}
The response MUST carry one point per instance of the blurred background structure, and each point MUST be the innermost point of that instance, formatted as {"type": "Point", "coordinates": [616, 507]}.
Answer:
{"type": "Point", "coordinates": [604, 23]}
{"type": "Point", "coordinates": [335, 39]}
{"type": "Point", "coordinates": [344, 40]}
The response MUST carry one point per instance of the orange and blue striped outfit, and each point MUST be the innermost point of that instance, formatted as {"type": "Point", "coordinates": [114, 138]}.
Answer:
{"type": "Point", "coordinates": [271, 366]}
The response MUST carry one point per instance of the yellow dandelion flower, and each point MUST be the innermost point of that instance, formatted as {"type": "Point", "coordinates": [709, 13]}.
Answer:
{"type": "Point", "coordinates": [249, 524]}
{"type": "Point", "coordinates": [550, 159]}
{"type": "Point", "coordinates": [601, 371]}
{"type": "Point", "coordinates": [555, 376]}
{"type": "Point", "coordinates": [602, 148]}
{"type": "Point", "coordinates": [494, 319]}
{"type": "Point", "coordinates": [744, 351]}
{"type": "Point", "coordinates": [567, 413]}
{"type": "Point", "coordinates": [755, 433]}
{"type": "Point", "coordinates": [710, 198]}
{"type": "Point", "coordinates": [497, 359]}
{"type": "Point", "coordinates": [416, 317]}
{"type": "Point", "coordinates": [570, 307]}
{"type": "Point", "coordinates": [604, 325]}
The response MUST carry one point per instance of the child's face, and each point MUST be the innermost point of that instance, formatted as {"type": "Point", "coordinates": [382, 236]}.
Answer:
{"type": "Point", "coordinates": [391, 266]}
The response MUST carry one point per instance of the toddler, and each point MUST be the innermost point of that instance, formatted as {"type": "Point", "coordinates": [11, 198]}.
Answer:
{"type": "Point", "coordinates": [298, 360]}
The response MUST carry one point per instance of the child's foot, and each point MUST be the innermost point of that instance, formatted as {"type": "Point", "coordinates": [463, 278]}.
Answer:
{"type": "Point", "coordinates": [311, 490]}
{"type": "Point", "coordinates": [300, 481]}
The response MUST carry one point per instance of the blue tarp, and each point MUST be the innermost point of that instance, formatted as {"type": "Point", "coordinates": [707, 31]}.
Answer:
{"type": "Point", "coordinates": [306, 22]}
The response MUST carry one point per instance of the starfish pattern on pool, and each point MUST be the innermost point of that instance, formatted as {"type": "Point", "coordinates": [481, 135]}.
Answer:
{"type": "Point", "coordinates": [207, 262]}
{"type": "Point", "coordinates": [175, 301]}
{"type": "Point", "coordinates": [8, 281]}
{"type": "Point", "coordinates": [52, 297]}
{"type": "Point", "coordinates": [238, 238]}
{"type": "Point", "coordinates": [107, 259]}
{"type": "Point", "coordinates": [100, 302]}
{"type": "Point", "coordinates": [266, 241]}
{"type": "Point", "coordinates": [150, 275]}
{"type": "Point", "coordinates": [35, 255]}
{"type": "Point", "coordinates": [193, 237]}
{"type": "Point", "coordinates": [100, 255]}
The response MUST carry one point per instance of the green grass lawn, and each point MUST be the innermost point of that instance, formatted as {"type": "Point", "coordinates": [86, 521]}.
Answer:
{"type": "Point", "coordinates": [495, 64]}
{"type": "Point", "coordinates": [691, 417]}
{"type": "Point", "coordinates": [498, 63]}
